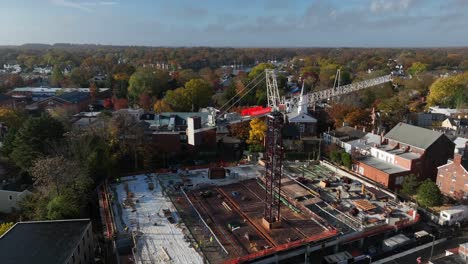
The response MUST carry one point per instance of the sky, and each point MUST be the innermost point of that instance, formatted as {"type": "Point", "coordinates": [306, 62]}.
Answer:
{"type": "Point", "coordinates": [237, 23]}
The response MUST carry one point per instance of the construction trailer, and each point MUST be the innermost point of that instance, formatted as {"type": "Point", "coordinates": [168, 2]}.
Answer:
{"type": "Point", "coordinates": [456, 214]}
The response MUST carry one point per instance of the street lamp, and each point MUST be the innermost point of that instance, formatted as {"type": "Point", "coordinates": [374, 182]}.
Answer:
{"type": "Point", "coordinates": [432, 248]}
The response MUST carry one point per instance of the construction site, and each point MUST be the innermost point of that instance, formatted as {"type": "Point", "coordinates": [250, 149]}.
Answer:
{"type": "Point", "coordinates": [267, 212]}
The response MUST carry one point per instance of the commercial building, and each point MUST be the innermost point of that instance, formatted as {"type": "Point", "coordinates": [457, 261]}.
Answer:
{"type": "Point", "coordinates": [46, 242]}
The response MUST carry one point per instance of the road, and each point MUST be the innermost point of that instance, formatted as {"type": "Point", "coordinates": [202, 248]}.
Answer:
{"type": "Point", "coordinates": [439, 251]}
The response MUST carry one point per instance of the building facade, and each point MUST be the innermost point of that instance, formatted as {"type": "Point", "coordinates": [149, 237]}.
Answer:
{"type": "Point", "coordinates": [452, 178]}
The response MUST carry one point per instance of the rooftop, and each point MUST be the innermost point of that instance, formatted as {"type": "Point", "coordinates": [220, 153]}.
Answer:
{"type": "Point", "coordinates": [451, 259]}
{"type": "Point", "coordinates": [412, 135]}
{"type": "Point", "coordinates": [347, 131]}
{"type": "Point", "coordinates": [42, 242]}
{"type": "Point", "coordinates": [382, 165]}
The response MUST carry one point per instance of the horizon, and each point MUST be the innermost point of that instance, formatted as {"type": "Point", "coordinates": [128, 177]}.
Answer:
{"type": "Point", "coordinates": [244, 24]}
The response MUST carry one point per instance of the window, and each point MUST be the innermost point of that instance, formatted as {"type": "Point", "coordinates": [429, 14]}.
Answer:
{"type": "Point", "coordinates": [302, 128]}
{"type": "Point", "coordinates": [454, 177]}
{"type": "Point", "coordinates": [452, 189]}
{"type": "Point", "coordinates": [10, 197]}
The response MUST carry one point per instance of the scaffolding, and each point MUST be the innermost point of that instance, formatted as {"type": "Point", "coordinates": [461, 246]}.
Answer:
{"type": "Point", "coordinates": [273, 166]}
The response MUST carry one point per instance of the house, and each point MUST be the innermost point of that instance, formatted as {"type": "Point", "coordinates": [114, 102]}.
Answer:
{"type": "Point", "coordinates": [9, 200]}
{"type": "Point", "coordinates": [72, 101]}
{"type": "Point", "coordinates": [39, 93]}
{"type": "Point", "coordinates": [169, 131]}
{"type": "Point", "coordinates": [452, 178]}
{"type": "Point", "coordinates": [44, 242]}
{"type": "Point", "coordinates": [300, 118]}
{"type": "Point", "coordinates": [448, 112]}
{"type": "Point", "coordinates": [455, 124]}
{"type": "Point", "coordinates": [457, 255]}
{"type": "Point", "coordinates": [351, 139]}
{"type": "Point", "coordinates": [7, 101]}
{"type": "Point", "coordinates": [404, 150]}
{"type": "Point", "coordinates": [426, 120]}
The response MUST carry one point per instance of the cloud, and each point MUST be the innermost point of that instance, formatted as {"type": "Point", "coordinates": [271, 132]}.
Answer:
{"type": "Point", "coordinates": [82, 5]}
{"type": "Point", "coordinates": [379, 6]}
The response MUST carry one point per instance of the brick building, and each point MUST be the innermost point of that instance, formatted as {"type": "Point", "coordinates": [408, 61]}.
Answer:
{"type": "Point", "coordinates": [405, 150]}
{"type": "Point", "coordinates": [74, 102]}
{"type": "Point", "coordinates": [44, 242]}
{"type": "Point", "coordinates": [452, 177]}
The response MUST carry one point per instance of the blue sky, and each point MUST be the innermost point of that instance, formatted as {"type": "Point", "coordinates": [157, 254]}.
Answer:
{"type": "Point", "coordinates": [246, 23]}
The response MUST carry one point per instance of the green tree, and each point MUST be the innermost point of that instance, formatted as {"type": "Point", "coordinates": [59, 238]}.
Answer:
{"type": "Point", "coordinates": [5, 227]}
{"type": "Point", "coordinates": [146, 80]}
{"type": "Point", "coordinates": [417, 68]}
{"type": "Point", "coordinates": [429, 194]}
{"type": "Point", "coordinates": [186, 75]}
{"type": "Point", "coordinates": [346, 159]}
{"type": "Point", "coordinates": [57, 76]}
{"type": "Point", "coordinates": [34, 138]}
{"type": "Point", "coordinates": [449, 92]}
{"type": "Point", "coordinates": [410, 185]}
{"type": "Point", "coordinates": [335, 156]}
{"type": "Point", "coordinates": [260, 69]}
{"type": "Point", "coordinates": [196, 94]}
{"type": "Point", "coordinates": [63, 207]}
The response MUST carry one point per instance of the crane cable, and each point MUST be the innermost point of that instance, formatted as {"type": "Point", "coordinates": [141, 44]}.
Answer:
{"type": "Point", "coordinates": [239, 93]}
{"type": "Point", "coordinates": [244, 94]}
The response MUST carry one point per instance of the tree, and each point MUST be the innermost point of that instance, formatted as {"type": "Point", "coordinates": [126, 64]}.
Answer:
{"type": "Point", "coordinates": [4, 227]}
{"type": "Point", "coordinates": [260, 69]}
{"type": "Point", "coordinates": [145, 80]}
{"type": "Point", "coordinates": [197, 93]}
{"type": "Point", "coordinates": [93, 91]}
{"type": "Point", "coordinates": [11, 118]}
{"type": "Point", "coordinates": [449, 92]}
{"type": "Point", "coordinates": [57, 76]}
{"type": "Point", "coordinates": [119, 103]}
{"type": "Point", "coordinates": [257, 131]}
{"type": "Point", "coordinates": [417, 68]}
{"type": "Point", "coordinates": [162, 106]}
{"type": "Point", "coordinates": [240, 130]}
{"type": "Point", "coordinates": [63, 207]}
{"type": "Point", "coordinates": [144, 101]}
{"type": "Point", "coordinates": [54, 175]}
{"type": "Point", "coordinates": [410, 185]}
{"type": "Point", "coordinates": [335, 156]}
{"type": "Point", "coordinates": [429, 194]}
{"type": "Point", "coordinates": [186, 75]}
{"type": "Point", "coordinates": [346, 159]}
{"type": "Point", "coordinates": [34, 138]}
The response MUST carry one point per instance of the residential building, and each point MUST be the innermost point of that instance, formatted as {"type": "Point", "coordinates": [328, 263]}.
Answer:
{"type": "Point", "coordinates": [7, 101]}
{"type": "Point", "coordinates": [45, 242]}
{"type": "Point", "coordinates": [40, 93]}
{"type": "Point", "coordinates": [405, 150]}
{"type": "Point", "coordinates": [454, 113]}
{"type": "Point", "coordinates": [73, 101]}
{"type": "Point", "coordinates": [426, 120]}
{"type": "Point", "coordinates": [305, 124]}
{"type": "Point", "coordinates": [452, 178]}
{"type": "Point", "coordinates": [9, 200]}
{"type": "Point", "coordinates": [169, 131]}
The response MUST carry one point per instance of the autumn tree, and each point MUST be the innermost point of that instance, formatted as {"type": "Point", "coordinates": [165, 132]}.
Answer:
{"type": "Point", "coordinates": [257, 132]}
{"type": "Point", "coordinates": [240, 130]}
{"type": "Point", "coordinates": [149, 81]}
{"type": "Point", "coordinates": [57, 76]}
{"type": "Point", "coordinates": [417, 68]}
{"type": "Point", "coordinates": [144, 101]}
{"type": "Point", "coordinates": [119, 103]}
{"type": "Point", "coordinates": [197, 93]}
{"type": "Point", "coordinates": [449, 92]}
{"type": "Point", "coordinates": [4, 227]}
{"type": "Point", "coordinates": [161, 106]}
{"type": "Point", "coordinates": [185, 76]}
{"type": "Point", "coordinates": [93, 91]}
{"type": "Point", "coordinates": [52, 175]}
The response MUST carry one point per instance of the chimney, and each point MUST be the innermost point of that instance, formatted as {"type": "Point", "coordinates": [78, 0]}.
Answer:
{"type": "Point", "coordinates": [381, 138]}
{"type": "Point", "coordinates": [460, 154]}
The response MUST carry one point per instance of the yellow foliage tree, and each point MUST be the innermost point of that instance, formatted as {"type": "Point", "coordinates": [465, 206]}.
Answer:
{"type": "Point", "coordinates": [4, 227]}
{"type": "Point", "coordinates": [10, 117]}
{"type": "Point", "coordinates": [449, 92]}
{"type": "Point", "coordinates": [162, 106]}
{"type": "Point", "coordinates": [257, 131]}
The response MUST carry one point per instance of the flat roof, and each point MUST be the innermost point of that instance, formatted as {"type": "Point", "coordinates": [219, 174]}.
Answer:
{"type": "Point", "coordinates": [41, 242]}
{"type": "Point", "coordinates": [382, 165]}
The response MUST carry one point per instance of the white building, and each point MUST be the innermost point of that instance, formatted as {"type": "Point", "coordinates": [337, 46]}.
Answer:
{"type": "Point", "coordinates": [9, 200]}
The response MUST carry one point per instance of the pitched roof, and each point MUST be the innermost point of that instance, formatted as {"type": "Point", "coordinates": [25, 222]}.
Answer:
{"type": "Point", "coordinates": [414, 136]}
{"type": "Point", "coordinates": [74, 97]}
{"type": "Point", "coordinates": [41, 242]}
